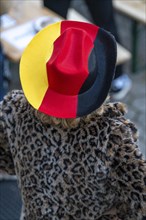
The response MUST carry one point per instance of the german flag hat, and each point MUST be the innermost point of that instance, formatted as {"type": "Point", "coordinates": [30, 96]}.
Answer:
{"type": "Point", "coordinates": [67, 69]}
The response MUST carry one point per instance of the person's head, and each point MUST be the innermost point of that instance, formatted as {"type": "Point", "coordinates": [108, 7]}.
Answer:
{"type": "Point", "coordinates": [67, 122]}
{"type": "Point", "coordinates": [67, 69]}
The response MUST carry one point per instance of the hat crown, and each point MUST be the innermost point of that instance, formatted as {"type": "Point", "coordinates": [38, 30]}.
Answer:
{"type": "Point", "coordinates": [67, 69]}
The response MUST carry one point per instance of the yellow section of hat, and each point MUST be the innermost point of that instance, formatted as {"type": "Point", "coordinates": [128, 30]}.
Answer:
{"type": "Point", "coordinates": [33, 74]}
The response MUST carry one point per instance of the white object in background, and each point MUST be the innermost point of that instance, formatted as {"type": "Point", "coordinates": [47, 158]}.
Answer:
{"type": "Point", "coordinates": [7, 21]}
{"type": "Point", "coordinates": [19, 36]}
{"type": "Point", "coordinates": [44, 21]}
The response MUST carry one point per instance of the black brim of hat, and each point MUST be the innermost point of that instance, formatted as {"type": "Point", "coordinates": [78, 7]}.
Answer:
{"type": "Point", "coordinates": [105, 50]}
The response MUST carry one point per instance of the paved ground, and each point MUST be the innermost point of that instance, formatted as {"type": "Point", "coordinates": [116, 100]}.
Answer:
{"type": "Point", "coordinates": [135, 100]}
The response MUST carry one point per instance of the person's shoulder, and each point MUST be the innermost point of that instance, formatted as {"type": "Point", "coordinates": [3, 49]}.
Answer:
{"type": "Point", "coordinates": [115, 114]}
{"type": "Point", "coordinates": [114, 110]}
{"type": "Point", "coordinates": [14, 95]}
{"type": "Point", "coordinates": [14, 101]}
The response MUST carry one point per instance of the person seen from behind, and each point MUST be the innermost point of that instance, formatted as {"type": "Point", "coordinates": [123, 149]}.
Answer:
{"type": "Point", "coordinates": [74, 153]}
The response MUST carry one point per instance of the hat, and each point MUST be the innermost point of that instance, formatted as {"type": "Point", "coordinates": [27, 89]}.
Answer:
{"type": "Point", "coordinates": [67, 69]}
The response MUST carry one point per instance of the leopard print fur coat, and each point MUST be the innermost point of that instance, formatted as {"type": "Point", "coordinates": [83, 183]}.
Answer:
{"type": "Point", "coordinates": [94, 171]}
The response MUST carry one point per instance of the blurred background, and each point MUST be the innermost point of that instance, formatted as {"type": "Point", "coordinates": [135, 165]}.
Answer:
{"type": "Point", "coordinates": [21, 19]}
